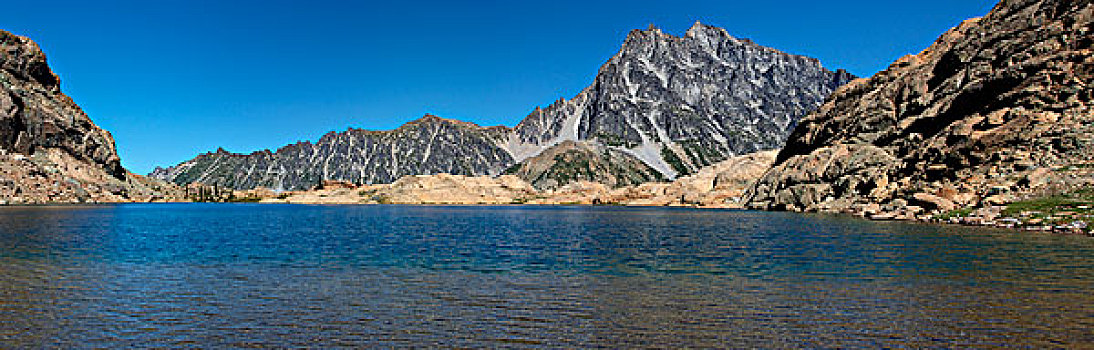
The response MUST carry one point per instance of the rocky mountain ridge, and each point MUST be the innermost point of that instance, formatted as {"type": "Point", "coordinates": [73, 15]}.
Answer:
{"type": "Point", "coordinates": [428, 145]}
{"type": "Point", "coordinates": [676, 104]}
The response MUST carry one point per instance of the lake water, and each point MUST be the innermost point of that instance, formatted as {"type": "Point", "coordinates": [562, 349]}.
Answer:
{"type": "Point", "coordinates": [250, 275]}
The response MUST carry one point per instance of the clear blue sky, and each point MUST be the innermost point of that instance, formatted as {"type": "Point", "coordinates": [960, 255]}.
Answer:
{"type": "Point", "coordinates": [171, 79]}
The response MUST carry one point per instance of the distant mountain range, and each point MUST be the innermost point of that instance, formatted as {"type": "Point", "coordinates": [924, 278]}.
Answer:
{"type": "Point", "coordinates": [664, 105]}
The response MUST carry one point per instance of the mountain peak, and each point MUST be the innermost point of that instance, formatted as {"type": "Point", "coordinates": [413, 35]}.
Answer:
{"type": "Point", "coordinates": [430, 118]}
{"type": "Point", "coordinates": [24, 57]}
{"type": "Point", "coordinates": [695, 27]}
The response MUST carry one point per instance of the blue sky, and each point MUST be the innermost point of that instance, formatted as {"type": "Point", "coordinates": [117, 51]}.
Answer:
{"type": "Point", "coordinates": [171, 79]}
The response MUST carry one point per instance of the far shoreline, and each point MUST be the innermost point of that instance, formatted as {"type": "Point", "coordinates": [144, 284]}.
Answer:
{"type": "Point", "coordinates": [932, 222]}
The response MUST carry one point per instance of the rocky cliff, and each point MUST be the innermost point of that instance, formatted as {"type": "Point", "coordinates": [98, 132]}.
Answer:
{"type": "Point", "coordinates": [50, 151]}
{"type": "Point", "coordinates": [676, 104]}
{"type": "Point", "coordinates": [996, 109]}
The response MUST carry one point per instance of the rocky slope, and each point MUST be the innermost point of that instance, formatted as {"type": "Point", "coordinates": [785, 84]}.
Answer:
{"type": "Point", "coordinates": [721, 185]}
{"type": "Point", "coordinates": [995, 110]}
{"type": "Point", "coordinates": [50, 151]}
{"type": "Point", "coordinates": [676, 104]}
{"type": "Point", "coordinates": [572, 161]}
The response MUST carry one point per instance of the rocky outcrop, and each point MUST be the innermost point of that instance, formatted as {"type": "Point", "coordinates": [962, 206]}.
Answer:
{"type": "Point", "coordinates": [455, 189]}
{"type": "Point", "coordinates": [572, 161]}
{"type": "Point", "coordinates": [419, 189]}
{"type": "Point", "coordinates": [50, 151]}
{"type": "Point", "coordinates": [676, 104]}
{"type": "Point", "coordinates": [996, 109]}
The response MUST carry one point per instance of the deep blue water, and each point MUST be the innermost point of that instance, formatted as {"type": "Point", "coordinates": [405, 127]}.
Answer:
{"type": "Point", "coordinates": [238, 275]}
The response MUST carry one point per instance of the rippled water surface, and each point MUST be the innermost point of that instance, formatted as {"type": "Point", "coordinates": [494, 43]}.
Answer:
{"type": "Point", "coordinates": [222, 275]}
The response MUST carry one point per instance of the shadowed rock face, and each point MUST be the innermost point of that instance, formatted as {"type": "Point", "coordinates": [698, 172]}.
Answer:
{"type": "Point", "coordinates": [987, 105]}
{"type": "Point", "coordinates": [35, 115]}
{"type": "Point", "coordinates": [676, 104]}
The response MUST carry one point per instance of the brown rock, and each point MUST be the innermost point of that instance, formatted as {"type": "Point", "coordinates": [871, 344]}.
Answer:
{"type": "Point", "coordinates": [935, 202]}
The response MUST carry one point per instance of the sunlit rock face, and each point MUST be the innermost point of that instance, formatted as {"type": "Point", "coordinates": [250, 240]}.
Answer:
{"type": "Point", "coordinates": [676, 104]}
{"type": "Point", "coordinates": [997, 108]}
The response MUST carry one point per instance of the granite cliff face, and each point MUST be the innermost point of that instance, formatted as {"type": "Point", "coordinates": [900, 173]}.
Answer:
{"type": "Point", "coordinates": [676, 104]}
{"type": "Point", "coordinates": [996, 109]}
{"type": "Point", "coordinates": [50, 151]}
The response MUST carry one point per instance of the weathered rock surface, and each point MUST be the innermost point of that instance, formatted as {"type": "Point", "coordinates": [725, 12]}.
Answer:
{"type": "Point", "coordinates": [996, 109]}
{"type": "Point", "coordinates": [50, 151]}
{"type": "Point", "coordinates": [571, 161]}
{"type": "Point", "coordinates": [676, 104]}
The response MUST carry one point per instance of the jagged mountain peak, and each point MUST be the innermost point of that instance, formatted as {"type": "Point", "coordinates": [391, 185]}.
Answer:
{"type": "Point", "coordinates": [429, 118]}
{"type": "Point", "coordinates": [698, 29]}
